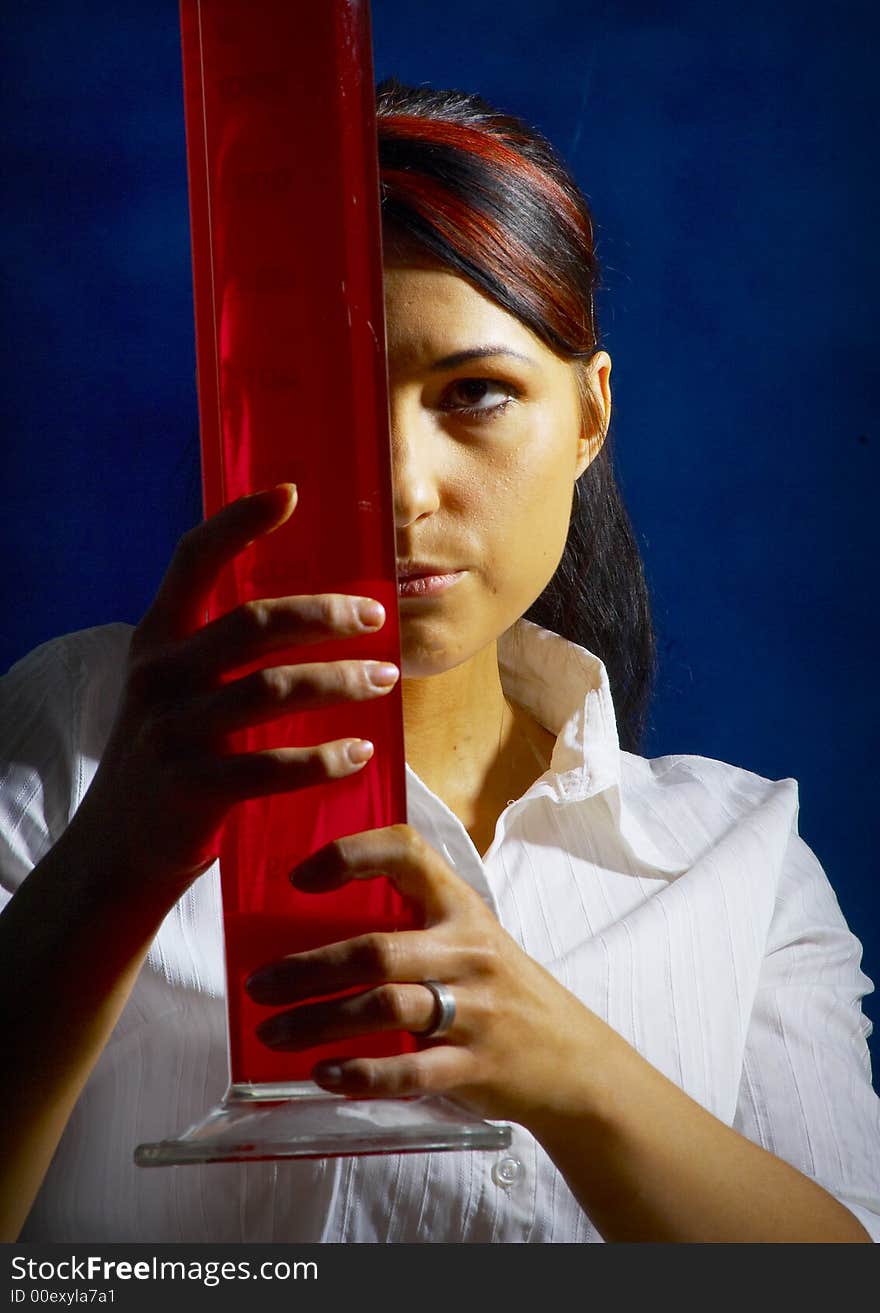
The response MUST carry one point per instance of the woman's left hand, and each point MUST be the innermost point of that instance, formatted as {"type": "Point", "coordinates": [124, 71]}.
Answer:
{"type": "Point", "coordinates": [520, 1046]}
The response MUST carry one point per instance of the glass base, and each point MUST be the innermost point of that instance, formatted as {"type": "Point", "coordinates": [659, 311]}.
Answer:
{"type": "Point", "coordinates": [258, 1123]}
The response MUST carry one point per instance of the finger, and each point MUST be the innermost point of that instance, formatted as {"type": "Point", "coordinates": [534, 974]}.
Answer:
{"type": "Point", "coordinates": [397, 851]}
{"type": "Point", "coordinates": [202, 553]}
{"type": "Point", "coordinates": [401, 956]}
{"type": "Point", "coordinates": [387, 1008]}
{"type": "Point", "coordinates": [245, 635]}
{"type": "Point", "coordinates": [430, 1071]}
{"type": "Point", "coordinates": [281, 770]}
{"type": "Point", "coordinates": [279, 690]}
{"type": "Point", "coordinates": [255, 629]}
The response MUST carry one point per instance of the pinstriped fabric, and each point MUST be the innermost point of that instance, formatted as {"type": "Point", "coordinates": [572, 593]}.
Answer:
{"type": "Point", "coordinates": [674, 897]}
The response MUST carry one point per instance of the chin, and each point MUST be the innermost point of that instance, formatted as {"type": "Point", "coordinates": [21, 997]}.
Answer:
{"type": "Point", "coordinates": [431, 649]}
{"type": "Point", "coordinates": [422, 665]}
{"type": "Point", "coordinates": [424, 653]}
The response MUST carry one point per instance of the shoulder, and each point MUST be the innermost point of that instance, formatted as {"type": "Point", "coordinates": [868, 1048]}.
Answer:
{"type": "Point", "coordinates": [63, 662]}
{"type": "Point", "coordinates": [716, 787]}
{"type": "Point", "coordinates": [679, 808]}
{"type": "Point", "coordinates": [56, 708]}
{"type": "Point", "coordinates": [734, 834]}
{"type": "Point", "coordinates": [697, 814]}
{"type": "Point", "coordinates": [65, 689]}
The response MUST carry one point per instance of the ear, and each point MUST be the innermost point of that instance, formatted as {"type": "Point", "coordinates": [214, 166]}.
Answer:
{"type": "Point", "coordinates": [597, 379]}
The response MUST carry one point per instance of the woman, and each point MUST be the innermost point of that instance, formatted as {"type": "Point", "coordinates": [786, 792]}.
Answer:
{"type": "Point", "coordinates": [647, 969]}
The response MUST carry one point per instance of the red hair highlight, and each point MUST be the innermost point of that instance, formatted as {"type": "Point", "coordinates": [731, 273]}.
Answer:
{"type": "Point", "coordinates": [464, 220]}
{"type": "Point", "coordinates": [492, 150]}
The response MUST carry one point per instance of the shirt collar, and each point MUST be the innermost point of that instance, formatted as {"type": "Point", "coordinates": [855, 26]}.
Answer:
{"type": "Point", "coordinates": [566, 688]}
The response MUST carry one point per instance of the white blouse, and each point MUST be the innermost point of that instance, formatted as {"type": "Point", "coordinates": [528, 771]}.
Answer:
{"type": "Point", "coordinates": [672, 896]}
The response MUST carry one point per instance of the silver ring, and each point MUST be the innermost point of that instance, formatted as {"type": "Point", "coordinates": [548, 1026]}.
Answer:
{"type": "Point", "coordinates": [444, 1009]}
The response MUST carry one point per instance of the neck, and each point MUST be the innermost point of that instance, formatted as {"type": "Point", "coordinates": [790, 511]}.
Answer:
{"type": "Point", "coordinates": [452, 722]}
{"type": "Point", "coordinates": [463, 738]}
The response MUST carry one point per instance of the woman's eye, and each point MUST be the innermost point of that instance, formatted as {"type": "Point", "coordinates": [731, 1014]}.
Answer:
{"type": "Point", "coordinates": [477, 396]}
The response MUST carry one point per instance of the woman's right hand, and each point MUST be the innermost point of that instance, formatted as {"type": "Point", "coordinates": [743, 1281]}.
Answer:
{"type": "Point", "coordinates": [167, 777]}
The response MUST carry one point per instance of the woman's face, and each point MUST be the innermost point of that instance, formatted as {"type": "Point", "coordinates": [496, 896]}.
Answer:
{"type": "Point", "coordinates": [485, 454]}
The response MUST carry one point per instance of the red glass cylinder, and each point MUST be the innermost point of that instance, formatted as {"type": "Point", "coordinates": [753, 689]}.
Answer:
{"type": "Point", "coordinates": [292, 384]}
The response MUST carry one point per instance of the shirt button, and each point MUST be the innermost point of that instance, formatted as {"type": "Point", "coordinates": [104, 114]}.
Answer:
{"type": "Point", "coordinates": [506, 1172]}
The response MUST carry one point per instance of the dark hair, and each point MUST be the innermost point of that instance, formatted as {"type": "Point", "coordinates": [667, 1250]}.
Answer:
{"type": "Point", "coordinates": [489, 197]}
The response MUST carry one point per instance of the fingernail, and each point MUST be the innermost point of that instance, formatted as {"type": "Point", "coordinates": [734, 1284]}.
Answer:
{"type": "Point", "coordinates": [331, 1074]}
{"type": "Point", "coordinates": [260, 982]}
{"type": "Point", "coordinates": [276, 1030]}
{"type": "Point", "coordinates": [360, 752]}
{"type": "Point", "coordinates": [371, 614]}
{"type": "Point", "coordinates": [382, 675]}
{"type": "Point", "coordinates": [292, 498]}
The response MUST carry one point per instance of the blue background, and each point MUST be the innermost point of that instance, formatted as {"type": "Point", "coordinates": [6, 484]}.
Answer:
{"type": "Point", "coordinates": [728, 153]}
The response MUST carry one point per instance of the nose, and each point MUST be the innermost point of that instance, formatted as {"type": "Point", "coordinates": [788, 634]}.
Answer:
{"type": "Point", "coordinates": [414, 474]}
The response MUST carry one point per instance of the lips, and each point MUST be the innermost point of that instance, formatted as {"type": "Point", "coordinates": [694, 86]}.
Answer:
{"type": "Point", "coordinates": [416, 586]}
{"type": "Point", "coordinates": [422, 570]}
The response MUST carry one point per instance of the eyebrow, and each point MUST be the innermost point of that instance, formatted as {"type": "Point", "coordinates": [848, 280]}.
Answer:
{"type": "Point", "coordinates": [478, 353]}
